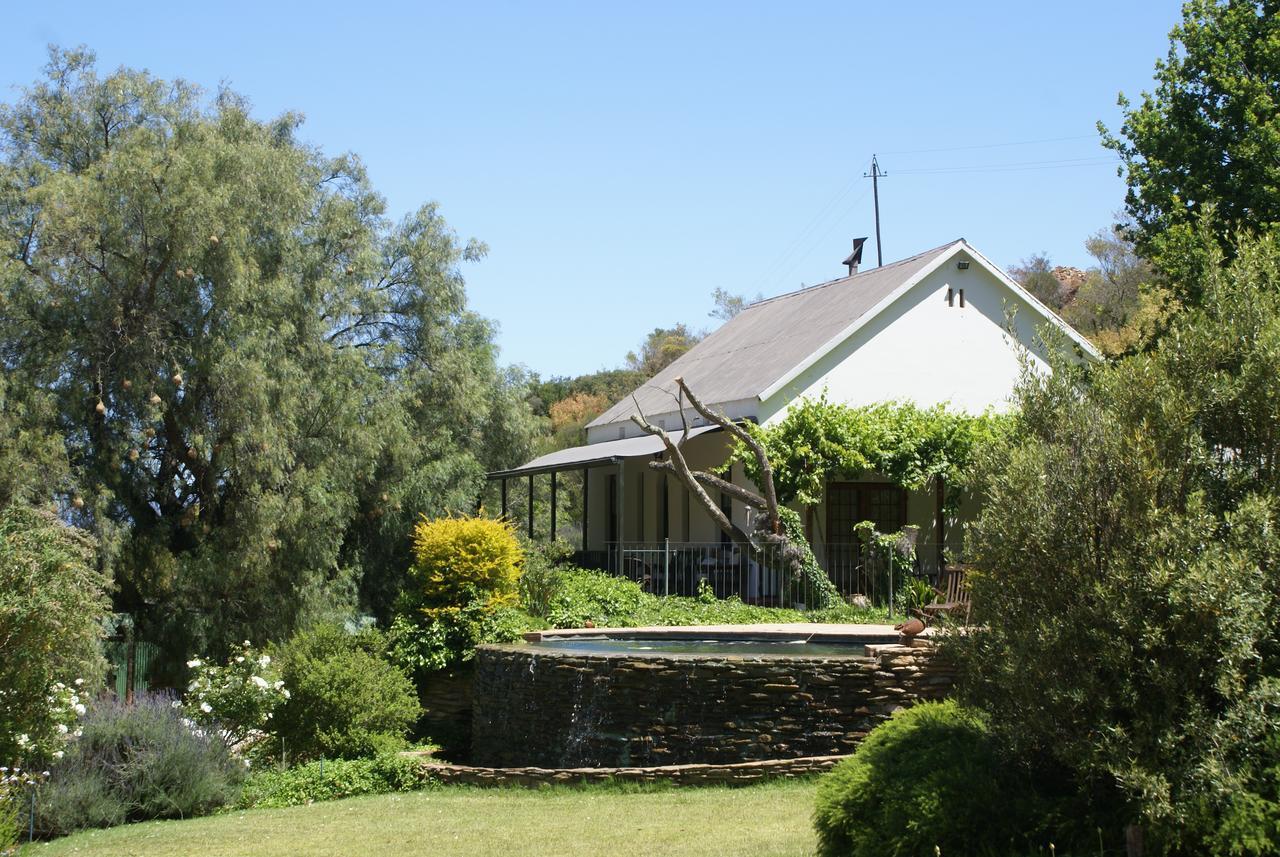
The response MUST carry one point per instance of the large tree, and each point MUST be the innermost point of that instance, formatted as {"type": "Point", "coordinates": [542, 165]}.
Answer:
{"type": "Point", "coordinates": [252, 368]}
{"type": "Point", "coordinates": [1207, 137]}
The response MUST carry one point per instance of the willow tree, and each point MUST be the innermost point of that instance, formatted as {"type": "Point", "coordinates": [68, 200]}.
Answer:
{"type": "Point", "coordinates": [252, 368]}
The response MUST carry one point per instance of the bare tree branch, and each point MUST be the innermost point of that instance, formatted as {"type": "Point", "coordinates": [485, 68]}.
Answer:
{"type": "Point", "coordinates": [750, 498]}
{"type": "Point", "coordinates": [766, 469]}
{"type": "Point", "coordinates": [681, 468]}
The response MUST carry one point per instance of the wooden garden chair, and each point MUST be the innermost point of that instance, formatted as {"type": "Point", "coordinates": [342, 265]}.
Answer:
{"type": "Point", "coordinates": [954, 599]}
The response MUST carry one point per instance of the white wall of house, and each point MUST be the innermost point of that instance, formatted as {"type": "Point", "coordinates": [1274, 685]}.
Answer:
{"type": "Point", "coordinates": [928, 351]}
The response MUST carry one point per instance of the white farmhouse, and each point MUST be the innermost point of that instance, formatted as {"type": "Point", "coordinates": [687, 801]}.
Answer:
{"type": "Point", "coordinates": [943, 326]}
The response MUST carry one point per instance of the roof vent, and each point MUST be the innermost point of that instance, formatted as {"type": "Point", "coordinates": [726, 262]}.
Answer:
{"type": "Point", "coordinates": [855, 258]}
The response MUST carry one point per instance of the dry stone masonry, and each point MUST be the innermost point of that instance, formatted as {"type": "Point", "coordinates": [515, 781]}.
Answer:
{"type": "Point", "coordinates": [548, 709]}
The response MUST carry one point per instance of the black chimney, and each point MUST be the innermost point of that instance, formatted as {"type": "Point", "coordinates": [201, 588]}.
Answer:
{"type": "Point", "coordinates": [855, 258]}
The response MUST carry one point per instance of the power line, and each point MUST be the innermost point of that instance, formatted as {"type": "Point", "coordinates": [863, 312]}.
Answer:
{"type": "Point", "coordinates": [992, 145]}
{"type": "Point", "coordinates": [1013, 167]}
{"type": "Point", "coordinates": [779, 265]}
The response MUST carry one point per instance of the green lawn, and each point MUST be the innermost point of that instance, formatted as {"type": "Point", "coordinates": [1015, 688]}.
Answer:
{"type": "Point", "coordinates": [760, 821]}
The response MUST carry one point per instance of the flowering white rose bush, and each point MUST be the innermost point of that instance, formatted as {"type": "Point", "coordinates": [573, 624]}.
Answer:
{"type": "Point", "coordinates": [234, 700]}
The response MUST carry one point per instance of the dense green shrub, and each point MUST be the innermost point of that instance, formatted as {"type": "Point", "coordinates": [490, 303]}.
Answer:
{"type": "Point", "coordinates": [346, 699]}
{"type": "Point", "coordinates": [331, 780]}
{"type": "Point", "coordinates": [456, 560]}
{"type": "Point", "coordinates": [136, 762]}
{"type": "Point", "coordinates": [1127, 593]}
{"type": "Point", "coordinates": [445, 637]}
{"type": "Point", "coordinates": [929, 777]}
{"type": "Point", "coordinates": [51, 602]}
{"type": "Point", "coordinates": [608, 601]}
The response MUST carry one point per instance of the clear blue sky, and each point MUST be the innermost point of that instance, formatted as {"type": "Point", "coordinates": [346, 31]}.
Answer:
{"type": "Point", "coordinates": [623, 160]}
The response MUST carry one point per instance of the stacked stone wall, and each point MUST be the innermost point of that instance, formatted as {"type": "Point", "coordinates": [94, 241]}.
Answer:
{"type": "Point", "coordinates": [541, 708]}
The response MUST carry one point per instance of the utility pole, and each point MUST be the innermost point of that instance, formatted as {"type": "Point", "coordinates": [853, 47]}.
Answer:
{"type": "Point", "coordinates": [875, 175]}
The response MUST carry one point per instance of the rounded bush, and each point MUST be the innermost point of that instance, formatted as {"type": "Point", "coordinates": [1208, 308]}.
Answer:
{"type": "Point", "coordinates": [346, 700]}
{"type": "Point", "coordinates": [929, 777]}
{"type": "Point", "coordinates": [457, 559]}
{"type": "Point", "coordinates": [136, 762]}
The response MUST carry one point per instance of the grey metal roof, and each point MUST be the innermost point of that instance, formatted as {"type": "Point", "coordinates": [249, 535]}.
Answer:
{"type": "Point", "coordinates": [595, 453]}
{"type": "Point", "coordinates": [769, 338]}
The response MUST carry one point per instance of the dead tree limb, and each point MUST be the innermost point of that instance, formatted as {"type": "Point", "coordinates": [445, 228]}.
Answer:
{"type": "Point", "coordinates": [739, 493]}
{"type": "Point", "coordinates": [682, 471]}
{"type": "Point", "coordinates": [762, 458]}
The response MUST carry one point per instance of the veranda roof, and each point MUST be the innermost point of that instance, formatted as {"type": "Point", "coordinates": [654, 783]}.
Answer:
{"type": "Point", "coordinates": [596, 453]}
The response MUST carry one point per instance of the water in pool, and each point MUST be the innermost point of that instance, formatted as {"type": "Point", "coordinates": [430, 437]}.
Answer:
{"type": "Point", "coordinates": [795, 648]}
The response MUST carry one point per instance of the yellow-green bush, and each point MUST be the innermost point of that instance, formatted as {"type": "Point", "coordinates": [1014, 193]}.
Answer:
{"type": "Point", "coordinates": [456, 560]}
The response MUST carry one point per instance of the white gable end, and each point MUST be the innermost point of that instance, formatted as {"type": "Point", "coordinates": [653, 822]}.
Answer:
{"type": "Point", "coordinates": [926, 349]}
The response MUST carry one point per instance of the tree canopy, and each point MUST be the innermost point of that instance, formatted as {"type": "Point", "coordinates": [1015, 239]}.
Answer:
{"type": "Point", "coordinates": [1126, 598]}
{"type": "Point", "coordinates": [257, 377]}
{"type": "Point", "coordinates": [1208, 137]}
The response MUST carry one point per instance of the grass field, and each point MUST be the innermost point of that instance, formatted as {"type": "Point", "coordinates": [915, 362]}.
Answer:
{"type": "Point", "coordinates": [761, 821]}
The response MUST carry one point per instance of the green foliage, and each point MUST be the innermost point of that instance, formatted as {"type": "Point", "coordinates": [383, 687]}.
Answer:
{"type": "Point", "coordinates": [346, 699]}
{"type": "Point", "coordinates": [33, 461]}
{"type": "Point", "coordinates": [1126, 595]}
{"type": "Point", "coordinates": [911, 446]}
{"type": "Point", "coordinates": [928, 778]}
{"type": "Point", "coordinates": [608, 601]}
{"type": "Point", "coordinates": [236, 699]}
{"type": "Point", "coordinates": [259, 378]}
{"type": "Point", "coordinates": [660, 349]}
{"type": "Point", "coordinates": [445, 637]}
{"type": "Point", "coordinates": [808, 584]}
{"type": "Point", "coordinates": [456, 560]}
{"type": "Point", "coordinates": [1206, 138]}
{"type": "Point", "coordinates": [52, 598]}
{"type": "Point", "coordinates": [136, 762]}
{"type": "Point", "coordinates": [331, 780]}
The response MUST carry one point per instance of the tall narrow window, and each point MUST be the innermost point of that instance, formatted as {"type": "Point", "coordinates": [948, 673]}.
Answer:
{"type": "Point", "coordinates": [640, 508]}
{"type": "Point", "coordinates": [962, 297]}
{"type": "Point", "coordinates": [726, 506]}
{"type": "Point", "coordinates": [664, 510]}
{"type": "Point", "coordinates": [613, 507]}
{"type": "Point", "coordinates": [684, 515]}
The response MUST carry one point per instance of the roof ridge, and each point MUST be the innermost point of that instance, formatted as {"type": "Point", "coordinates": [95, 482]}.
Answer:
{"type": "Point", "coordinates": [845, 279]}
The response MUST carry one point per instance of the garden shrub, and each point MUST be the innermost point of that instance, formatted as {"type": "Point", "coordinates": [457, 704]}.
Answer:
{"type": "Point", "coordinates": [447, 637]}
{"type": "Point", "coordinates": [1126, 594]}
{"type": "Point", "coordinates": [456, 560]}
{"type": "Point", "coordinates": [234, 700]}
{"type": "Point", "coordinates": [331, 780]}
{"type": "Point", "coordinates": [928, 777]}
{"type": "Point", "coordinates": [346, 699]}
{"type": "Point", "coordinates": [51, 600]}
{"type": "Point", "coordinates": [136, 762]}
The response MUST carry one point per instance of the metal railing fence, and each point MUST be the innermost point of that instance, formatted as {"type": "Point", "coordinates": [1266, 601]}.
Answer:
{"type": "Point", "coordinates": [759, 575]}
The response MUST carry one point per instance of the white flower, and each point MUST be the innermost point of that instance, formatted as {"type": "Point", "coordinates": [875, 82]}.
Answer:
{"type": "Point", "coordinates": [259, 681]}
{"type": "Point", "coordinates": [77, 733]}
{"type": "Point", "coordinates": [196, 662]}
{"type": "Point", "coordinates": [79, 682]}
{"type": "Point", "coordinates": [263, 661]}
{"type": "Point", "coordinates": [247, 644]}
{"type": "Point", "coordinates": [79, 707]}
{"type": "Point", "coordinates": [286, 693]}
{"type": "Point", "coordinates": [57, 754]}
{"type": "Point", "coordinates": [239, 659]}
{"type": "Point", "coordinates": [279, 684]}
{"type": "Point", "coordinates": [62, 729]}
{"type": "Point", "coordinates": [24, 741]}
{"type": "Point", "coordinates": [206, 708]}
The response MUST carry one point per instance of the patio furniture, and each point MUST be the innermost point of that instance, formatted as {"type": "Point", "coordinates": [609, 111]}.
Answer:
{"type": "Point", "coordinates": [954, 599]}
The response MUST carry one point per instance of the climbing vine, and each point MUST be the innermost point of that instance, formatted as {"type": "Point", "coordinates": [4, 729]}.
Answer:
{"type": "Point", "coordinates": [909, 445]}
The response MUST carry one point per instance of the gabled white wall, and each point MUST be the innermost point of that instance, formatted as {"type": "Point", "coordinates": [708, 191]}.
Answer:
{"type": "Point", "coordinates": [923, 350]}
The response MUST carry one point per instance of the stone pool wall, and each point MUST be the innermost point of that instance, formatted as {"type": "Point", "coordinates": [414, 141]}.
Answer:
{"type": "Point", "coordinates": [540, 708]}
